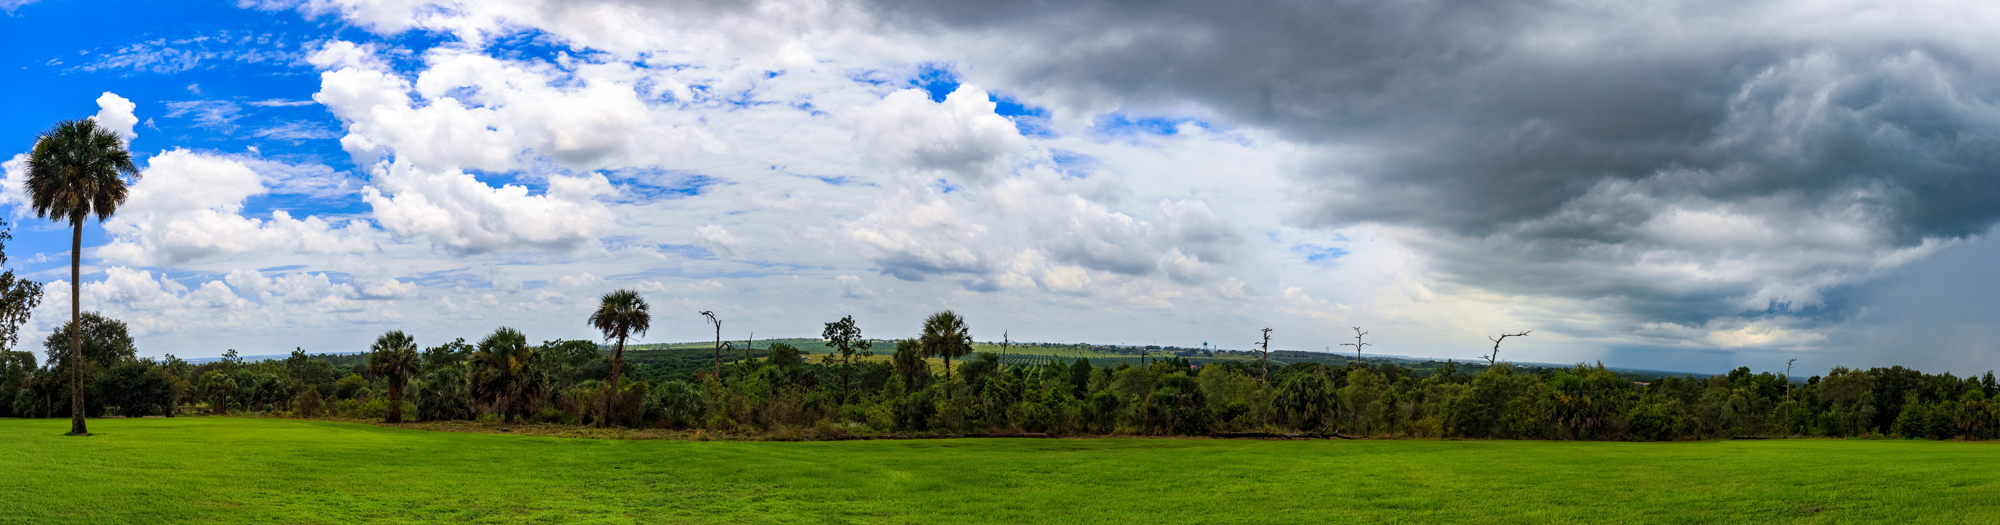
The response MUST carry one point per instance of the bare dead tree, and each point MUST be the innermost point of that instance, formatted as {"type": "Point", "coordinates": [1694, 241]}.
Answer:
{"type": "Point", "coordinates": [1357, 344]}
{"type": "Point", "coordinates": [1266, 375]}
{"type": "Point", "coordinates": [1494, 359]}
{"type": "Point", "coordinates": [718, 341]}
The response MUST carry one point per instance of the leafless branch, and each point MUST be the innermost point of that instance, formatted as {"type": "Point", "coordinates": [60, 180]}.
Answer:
{"type": "Point", "coordinates": [1494, 358]}
{"type": "Point", "coordinates": [1357, 344]}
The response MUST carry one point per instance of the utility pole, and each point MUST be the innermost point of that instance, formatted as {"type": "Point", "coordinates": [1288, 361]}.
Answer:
{"type": "Point", "coordinates": [1266, 376]}
{"type": "Point", "coordinates": [1357, 344]}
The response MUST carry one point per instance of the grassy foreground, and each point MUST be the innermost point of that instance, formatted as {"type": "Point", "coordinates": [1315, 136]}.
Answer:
{"type": "Point", "coordinates": [227, 470]}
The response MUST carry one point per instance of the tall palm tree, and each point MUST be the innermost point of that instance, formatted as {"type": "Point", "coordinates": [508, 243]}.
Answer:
{"type": "Point", "coordinates": [394, 357]}
{"type": "Point", "coordinates": [945, 336]}
{"type": "Point", "coordinates": [619, 315]}
{"type": "Point", "coordinates": [78, 169]}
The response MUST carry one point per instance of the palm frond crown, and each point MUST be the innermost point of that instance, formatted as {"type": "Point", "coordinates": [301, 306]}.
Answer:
{"type": "Point", "coordinates": [621, 314]}
{"type": "Point", "coordinates": [76, 170]}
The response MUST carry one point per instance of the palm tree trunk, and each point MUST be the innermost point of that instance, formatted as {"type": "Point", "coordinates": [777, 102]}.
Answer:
{"type": "Point", "coordinates": [617, 370]}
{"type": "Point", "coordinates": [76, 427]}
{"type": "Point", "coordinates": [395, 403]}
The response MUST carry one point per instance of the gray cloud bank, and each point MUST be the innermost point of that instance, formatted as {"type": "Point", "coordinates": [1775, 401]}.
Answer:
{"type": "Point", "coordinates": [1684, 161]}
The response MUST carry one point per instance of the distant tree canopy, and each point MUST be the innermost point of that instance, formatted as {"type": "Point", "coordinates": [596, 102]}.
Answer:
{"type": "Point", "coordinates": [780, 389]}
{"type": "Point", "coordinates": [106, 342]}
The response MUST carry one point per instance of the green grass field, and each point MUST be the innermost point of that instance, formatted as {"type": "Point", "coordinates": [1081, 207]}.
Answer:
{"type": "Point", "coordinates": [227, 470]}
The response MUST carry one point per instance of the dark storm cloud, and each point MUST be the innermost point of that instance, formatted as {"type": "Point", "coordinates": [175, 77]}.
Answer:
{"type": "Point", "coordinates": [1686, 160]}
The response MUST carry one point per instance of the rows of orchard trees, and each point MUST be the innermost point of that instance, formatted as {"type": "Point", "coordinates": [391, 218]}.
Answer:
{"type": "Point", "coordinates": [501, 377]}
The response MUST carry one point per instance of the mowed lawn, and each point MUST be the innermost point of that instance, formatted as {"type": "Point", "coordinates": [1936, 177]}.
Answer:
{"type": "Point", "coordinates": [229, 470]}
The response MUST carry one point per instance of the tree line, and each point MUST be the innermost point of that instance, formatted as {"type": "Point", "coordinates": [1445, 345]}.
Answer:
{"type": "Point", "coordinates": [502, 378]}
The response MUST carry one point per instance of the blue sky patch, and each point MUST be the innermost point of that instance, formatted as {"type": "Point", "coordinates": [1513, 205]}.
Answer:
{"type": "Point", "coordinates": [1118, 123]}
{"type": "Point", "coordinates": [1317, 254]}
{"type": "Point", "coordinates": [1032, 121]}
{"type": "Point", "coordinates": [665, 184]}
{"type": "Point", "coordinates": [1072, 163]}
{"type": "Point", "coordinates": [936, 78]}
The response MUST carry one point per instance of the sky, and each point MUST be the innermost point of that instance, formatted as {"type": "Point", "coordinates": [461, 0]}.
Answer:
{"type": "Point", "coordinates": [1676, 185]}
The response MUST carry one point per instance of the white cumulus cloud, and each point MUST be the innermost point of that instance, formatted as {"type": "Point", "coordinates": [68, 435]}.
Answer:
{"type": "Point", "coordinates": [115, 113]}
{"type": "Point", "coordinates": [189, 206]}
{"type": "Point", "coordinates": [960, 138]}
{"type": "Point", "coordinates": [457, 211]}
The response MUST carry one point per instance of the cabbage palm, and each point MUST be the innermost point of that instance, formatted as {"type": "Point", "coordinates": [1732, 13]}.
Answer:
{"type": "Point", "coordinates": [619, 315]}
{"type": "Point", "coordinates": [218, 386]}
{"type": "Point", "coordinates": [394, 357]}
{"type": "Point", "coordinates": [78, 169]}
{"type": "Point", "coordinates": [945, 336]}
{"type": "Point", "coordinates": [501, 372]}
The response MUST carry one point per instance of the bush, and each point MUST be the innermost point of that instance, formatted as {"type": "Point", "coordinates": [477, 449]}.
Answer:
{"type": "Point", "coordinates": [137, 388]}
{"type": "Point", "coordinates": [630, 405]}
{"type": "Point", "coordinates": [552, 415]}
{"type": "Point", "coordinates": [442, 396]}
{"type": "Point", "coordinates": [882, 417]}
{"type": "Point", "coordinates": [1650, 422]}
{"type": "Point", "coordinates": [308, 403]}
{"type": "Point", "coordinates": [27, 404]}
{"type": "Point", "coordinates": [680, 404]}
{"type": "Point", "coordinates": [349, 387]}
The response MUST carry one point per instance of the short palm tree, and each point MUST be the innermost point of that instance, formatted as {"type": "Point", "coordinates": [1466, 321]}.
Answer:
{"type": "Point", "coordinates": [394, 357]}
{"type": "Point", "coordinates": [78, 169]}
{"type": "Point", "coordinates": [501, 372]}
{"type": "Point", "coordinates": [619, 315]}
{"type": "Point", "coordinates": [945, 336]}
{"type": "Point", "coordinates": [218, 386]}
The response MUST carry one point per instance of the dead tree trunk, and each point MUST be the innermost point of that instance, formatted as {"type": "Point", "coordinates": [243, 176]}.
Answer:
{"type": "Point", "coordinates": [1004, 341]}
{"type": "Point", "coordinates": [1357, 344]}
{"type": "Point", "coordinates": [1494, 358]}
{"type": "Point", "coordinates": [718, 341]}
{"type": "Point", "coordinates": [1788, 377]}
{"type": "Point", "coordinates": [1265, 377]}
